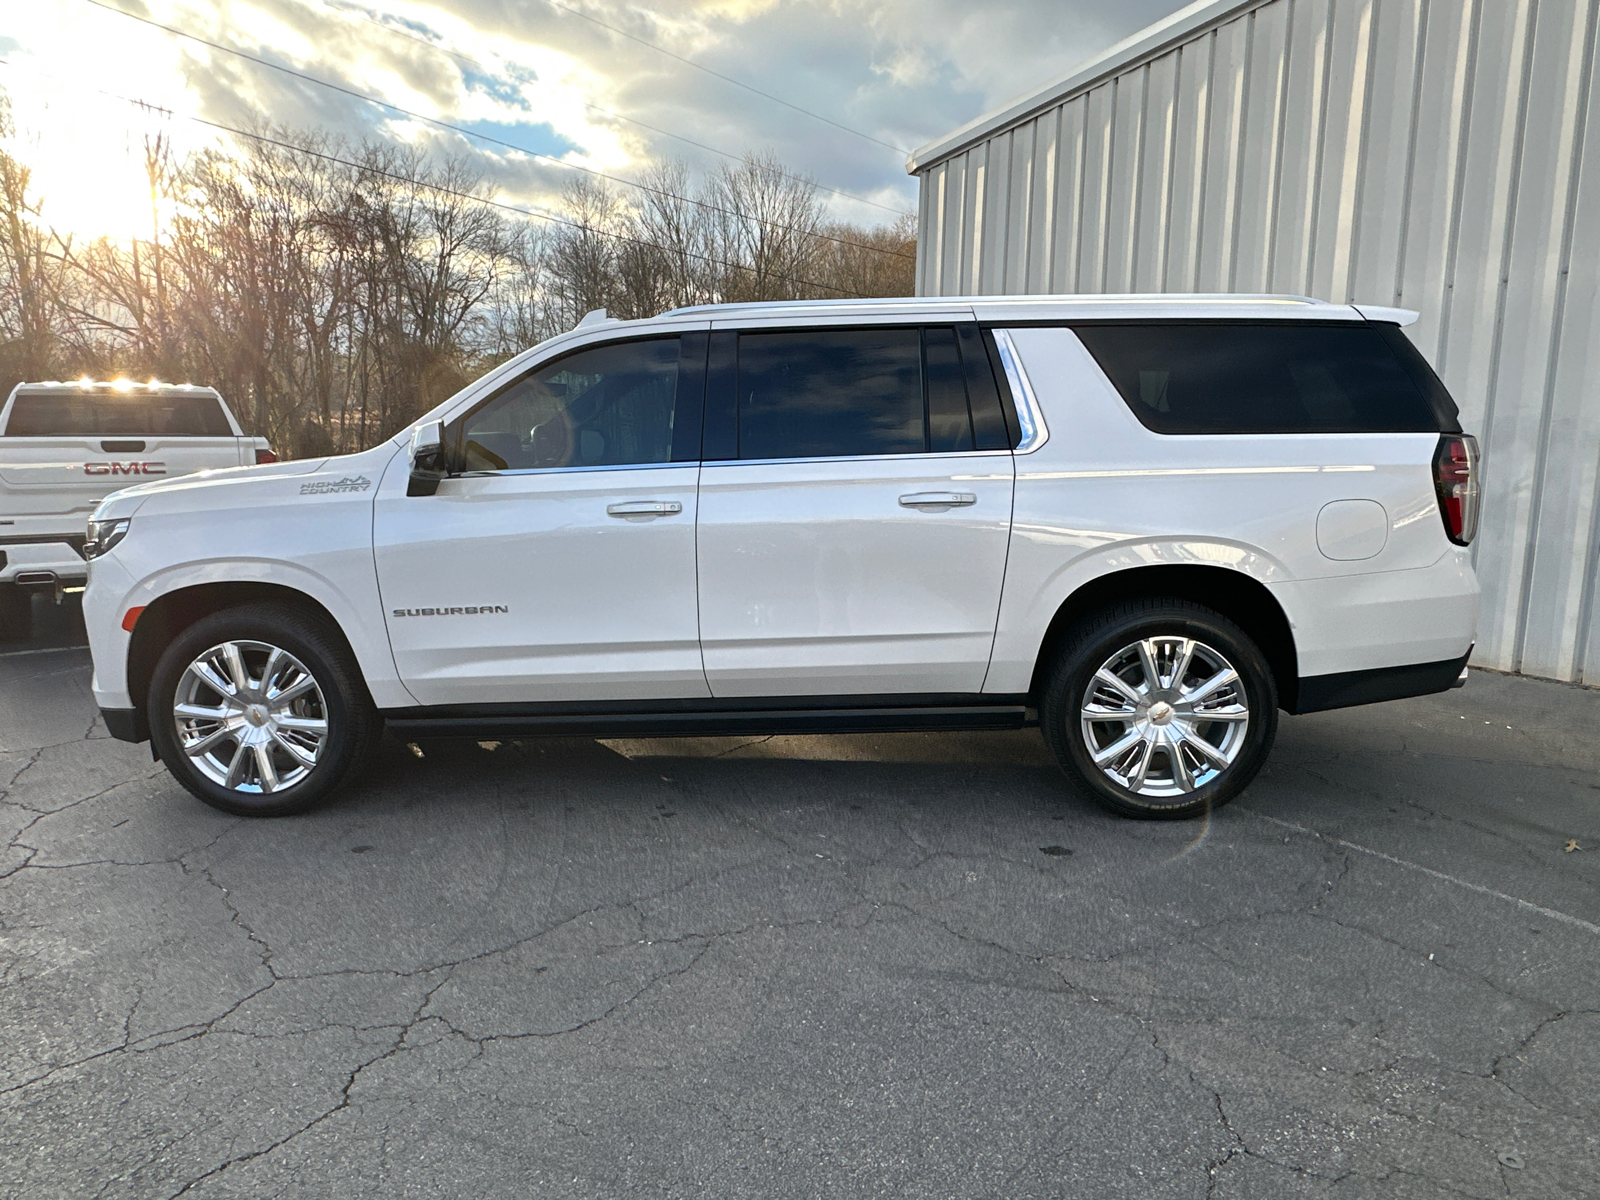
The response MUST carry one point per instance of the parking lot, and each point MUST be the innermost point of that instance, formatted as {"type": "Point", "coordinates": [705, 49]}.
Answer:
{"type": "Point", "coordinates": [910, 966]}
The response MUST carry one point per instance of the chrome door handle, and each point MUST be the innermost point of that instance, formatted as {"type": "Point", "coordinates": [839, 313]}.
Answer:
{"type": "Point", "coordinates": [644, 508]}
{"type": "Point", "coordinates": [938, 499]}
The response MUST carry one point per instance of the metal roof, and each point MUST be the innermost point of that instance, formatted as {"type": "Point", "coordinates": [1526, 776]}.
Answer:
{"type": "Point", "coordinates": [1147, 43]}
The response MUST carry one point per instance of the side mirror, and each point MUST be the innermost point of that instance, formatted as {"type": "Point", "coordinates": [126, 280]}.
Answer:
{"type": "Point", "coordinates": [427, 459]}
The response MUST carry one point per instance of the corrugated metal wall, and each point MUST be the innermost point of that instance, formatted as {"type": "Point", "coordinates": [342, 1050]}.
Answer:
{"type": "Point", "coordinates": [1441, 155]}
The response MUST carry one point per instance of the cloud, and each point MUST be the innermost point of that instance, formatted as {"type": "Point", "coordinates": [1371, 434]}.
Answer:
{"type": "Point", "coordinates": [553, 79]}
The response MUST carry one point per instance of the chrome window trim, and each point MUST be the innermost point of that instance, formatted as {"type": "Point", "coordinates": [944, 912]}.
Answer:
{"type": "Point", "coordinates": [655, 466]}
{"type": "Point", "coordinates": [733, 462]}
{"type": "Point", "coordinates": [1035, 432]}
{"type": "Point", "coordinates": [919, 456]}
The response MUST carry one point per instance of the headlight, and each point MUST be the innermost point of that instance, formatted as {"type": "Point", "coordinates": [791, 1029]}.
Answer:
{"type": "Point", "coordinates": [103, 535]}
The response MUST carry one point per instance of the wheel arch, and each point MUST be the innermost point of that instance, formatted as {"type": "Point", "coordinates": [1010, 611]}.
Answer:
{"type": "Point", "coordinates": [1241, 598]}
{"type": "Point", "coordinates": [169, 614]}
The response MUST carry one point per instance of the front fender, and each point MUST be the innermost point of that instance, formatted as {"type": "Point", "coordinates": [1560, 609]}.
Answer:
{"type": "Point", "coordinates": [310, 533]}
{"type": "Point", "coordinates": [352, 603]}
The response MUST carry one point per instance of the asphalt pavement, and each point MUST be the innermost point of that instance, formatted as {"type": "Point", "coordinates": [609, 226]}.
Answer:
{"type": "Point", "coordinates": [908, 966]}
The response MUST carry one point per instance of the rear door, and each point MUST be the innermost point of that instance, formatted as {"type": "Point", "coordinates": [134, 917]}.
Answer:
{"type": "Point", "coordinates": [852, 538]}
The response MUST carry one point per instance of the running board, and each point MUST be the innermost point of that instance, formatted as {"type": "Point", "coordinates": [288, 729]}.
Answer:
{"type": "Point", "coordinates": [675, 719]}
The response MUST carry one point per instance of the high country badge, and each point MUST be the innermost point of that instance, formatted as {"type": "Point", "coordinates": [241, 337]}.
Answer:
{"type": "Point", "coordinates": [322, 487]}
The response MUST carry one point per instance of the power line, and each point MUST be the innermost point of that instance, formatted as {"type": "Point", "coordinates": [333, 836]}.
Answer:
{"type": "Point", "coordinates": [441, 189]}
{"type": "Point", "coordinates": [470, 61]}
{"type": "Point", "coordinates": [725, 78]}
{"type": "Point", "coordinates": [483, 137]}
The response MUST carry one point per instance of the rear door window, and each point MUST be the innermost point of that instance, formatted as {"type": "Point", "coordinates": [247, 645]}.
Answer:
{"type": "Point", "coordinates": [866, 392]}
{"type": "Point", "coordinates": [949, 417]}
{"type": "Point", "coordinates": [831, 393]}
{"type": "Point", "coordinates": [1228, 377]}
{"type": "Point", "coordinates": [78, 414]}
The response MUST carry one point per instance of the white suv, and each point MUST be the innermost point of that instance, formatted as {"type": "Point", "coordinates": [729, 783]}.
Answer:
{"type": "Point", "coordinates": [1145, 523]}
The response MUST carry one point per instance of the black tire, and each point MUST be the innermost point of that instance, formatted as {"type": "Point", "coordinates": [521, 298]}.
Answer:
{"type": "Point", "coordinates": [1093, 643]}
{"type": "Point", "coordinates": [344, 704]}
{"type": "Point", "coordinates": [16, 613]}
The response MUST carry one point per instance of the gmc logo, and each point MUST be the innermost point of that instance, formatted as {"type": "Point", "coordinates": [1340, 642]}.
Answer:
{"type": "Point", "coordinates": [127, 468]}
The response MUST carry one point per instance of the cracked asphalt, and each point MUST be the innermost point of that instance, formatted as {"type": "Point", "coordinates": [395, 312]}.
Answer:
{"type": "Point", "coordinates": [909, 966]}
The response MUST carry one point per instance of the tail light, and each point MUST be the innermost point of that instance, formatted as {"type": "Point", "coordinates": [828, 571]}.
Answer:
{"type": "Point", "coordinates": [265, 456]}
{"type": "Point", "coordinates": [1455, 479]}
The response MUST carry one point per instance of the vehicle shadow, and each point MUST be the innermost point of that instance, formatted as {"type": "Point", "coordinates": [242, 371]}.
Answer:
{"type": "Point", "coordinates": [55, 626]}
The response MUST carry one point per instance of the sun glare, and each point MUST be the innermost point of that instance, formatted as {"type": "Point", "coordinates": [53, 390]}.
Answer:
{"type": "Point", "coordinates": [85, 148]}
{"type": "Point", "coordinates": [70, 75]}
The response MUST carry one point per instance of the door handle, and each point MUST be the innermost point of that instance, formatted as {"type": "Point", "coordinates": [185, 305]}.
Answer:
{"type": "Point", "coordinates": [644, 508]}
{"type": "Point", "coordinates": [938, 499]}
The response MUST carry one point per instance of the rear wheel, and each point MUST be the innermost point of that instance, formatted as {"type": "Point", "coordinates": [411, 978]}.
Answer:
{"type": "Point", "coordinates": [16, 613]}
{"type": "Point", "coordinates": [1160, 708]}
{"type": "Point", "coordinates": [260, 710]}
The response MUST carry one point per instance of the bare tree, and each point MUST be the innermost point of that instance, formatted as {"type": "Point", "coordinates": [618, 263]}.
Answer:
{"type": "Point", "coordinates": [33, 282]}
{"type": "Point", "coordinates": [584, 272]}
{"type": "Point", "coordinates": [766, 230]}
{"type": "Point", "coordinates": [335, 290]}
{"type": "Point", "coordinates": [880, 261]}
{"type": "Point", "coordinates": [670, 264]}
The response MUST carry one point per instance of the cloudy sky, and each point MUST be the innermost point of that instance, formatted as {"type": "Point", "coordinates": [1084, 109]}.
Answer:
{"type": "Point", "coordinates": [600, 83]}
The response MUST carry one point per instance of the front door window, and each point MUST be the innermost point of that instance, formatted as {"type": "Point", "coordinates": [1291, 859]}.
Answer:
{"type": "Point", "coordinates": [610, 406]}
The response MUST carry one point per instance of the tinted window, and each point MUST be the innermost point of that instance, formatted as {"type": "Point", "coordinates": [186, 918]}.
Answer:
{"type": "Point", "coordinates": [1428, 383]}
{"type": "Point", "coordinates": [609, 406]}
{"type": "Point", "coordinates": [827, 393]}
{"type": "Point", "coordinates": [949, 420]}
{"type": "Point", "coordinates": [1236, 378]}
{"type": "Point", "coordinates": [46, 414]}
{"type": "Point", "coordinates": [994, 414]}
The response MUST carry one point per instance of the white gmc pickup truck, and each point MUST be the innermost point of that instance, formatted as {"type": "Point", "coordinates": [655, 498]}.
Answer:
{"type": "Point", "coordinates": [64, 446]}
{"type": "Point", "coordinates": [1144, 524]}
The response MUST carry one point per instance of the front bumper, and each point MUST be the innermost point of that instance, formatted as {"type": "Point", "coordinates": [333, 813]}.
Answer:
{"type": "Point", "coordinates": [126, 724]}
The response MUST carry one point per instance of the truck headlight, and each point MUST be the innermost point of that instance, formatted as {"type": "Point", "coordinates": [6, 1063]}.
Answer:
{"type": "Point", "coordinates": [103, 535]}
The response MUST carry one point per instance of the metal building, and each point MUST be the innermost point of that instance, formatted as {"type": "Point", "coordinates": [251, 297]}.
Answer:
{"type": "Point", "coordinates": [1439, 155]}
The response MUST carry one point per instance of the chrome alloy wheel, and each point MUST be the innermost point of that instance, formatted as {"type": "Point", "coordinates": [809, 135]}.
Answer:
{"type": "Point", "coordinates": [250, 716]}
{"type": "Point", "coordinates": [1164, 716]}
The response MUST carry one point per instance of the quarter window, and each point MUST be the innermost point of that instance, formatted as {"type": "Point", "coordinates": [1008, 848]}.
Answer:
{"type": "Point", "coordinates": [612, 405]}
{"type": "Point", "coordinates": [1225, 377]}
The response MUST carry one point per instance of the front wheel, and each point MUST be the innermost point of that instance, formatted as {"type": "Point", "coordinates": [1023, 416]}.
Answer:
{"type": "Point", "coordinates": [260, 710]}
{"type": "Point", "coordinates": [1160, 708]}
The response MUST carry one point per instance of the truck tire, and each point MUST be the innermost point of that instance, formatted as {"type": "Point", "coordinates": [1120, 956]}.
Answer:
{"type": "Point", "coordinates": [1160, 708]}
{"type": "Point", "coordinates": [260, 710]}
{"type": "Point", "coordinates": [16, 613]}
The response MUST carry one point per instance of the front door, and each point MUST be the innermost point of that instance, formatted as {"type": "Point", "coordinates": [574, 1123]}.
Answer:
{"type": "Point", "coordinates": [558, 563]}
{"type": "Point", "coordinates": [853, 540]}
